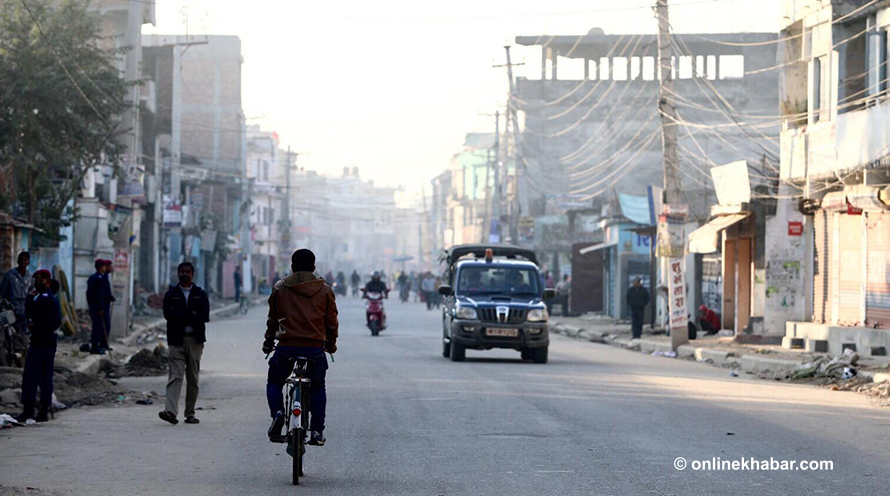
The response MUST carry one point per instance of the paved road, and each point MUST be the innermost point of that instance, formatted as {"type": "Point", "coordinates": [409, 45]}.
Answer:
{"type": "Point", "coordinates": [403, 420]}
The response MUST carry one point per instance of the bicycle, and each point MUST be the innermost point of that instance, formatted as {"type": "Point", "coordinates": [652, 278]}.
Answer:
{"type": "Point", "coordinates": [244, 305]}
{"type": "Point", "coordinates": [297, 415]}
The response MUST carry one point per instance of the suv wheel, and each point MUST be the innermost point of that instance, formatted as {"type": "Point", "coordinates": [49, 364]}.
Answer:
{"type": "Point", "coordinates": [539, 355]}
{"type": "Point", "coordinates": [446, 348]}
{"type": "Point", "coordinates": [526, 353]}
{"type": "Point", "coordinates": [458, 352]}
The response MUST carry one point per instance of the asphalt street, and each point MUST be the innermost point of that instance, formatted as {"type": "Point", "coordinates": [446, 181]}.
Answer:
{"type": "Point", "coordinates": [404, 420]}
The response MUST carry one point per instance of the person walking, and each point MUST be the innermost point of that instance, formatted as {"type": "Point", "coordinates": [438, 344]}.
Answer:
{"type": "Point", "coordinates": [238, 281]}
{"type": "Point", "coordinates": [428, 285]}
{"type": "Point", "coordinates": [187, 311]}
{"type": "Point", "coordinates": [563, 294]}
{"type": "Point", "coordinates": [99, 300]}
{"type": "Point", "coordinates": [44, 318]}
{"type": "Point", "coordinates": [15, 287]}
{"type": "Point", "coordinates": [637, 299]}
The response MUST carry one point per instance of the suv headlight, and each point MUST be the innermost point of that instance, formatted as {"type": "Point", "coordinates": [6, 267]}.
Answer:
{"type": "Point", "coordinates": [466, 313]}
{"type": "Point", "coordinates": [537, 315]}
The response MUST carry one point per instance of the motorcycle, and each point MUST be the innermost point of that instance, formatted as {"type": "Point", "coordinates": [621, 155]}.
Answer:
{"type": "Point", "coordinates": [374, 312]}
{"type": "Point", "coordinates": [339, 289]}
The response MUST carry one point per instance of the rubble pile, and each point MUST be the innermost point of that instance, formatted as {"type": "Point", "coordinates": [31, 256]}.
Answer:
{"type": "Point", "coordinates": [147, 362]}
{"type": "Point", "coordinates": [841, 367]}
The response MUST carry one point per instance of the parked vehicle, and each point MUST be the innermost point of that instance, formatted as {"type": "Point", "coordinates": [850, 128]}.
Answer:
{"type": "Point", "coordinates": [494, 298]}
{"type": "Point", "coordinates": [375, 314]}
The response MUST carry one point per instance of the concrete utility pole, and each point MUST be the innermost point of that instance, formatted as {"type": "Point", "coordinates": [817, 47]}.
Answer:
{"type": "Point", "coordinates": [672, 218]}
{"type": "Point", "coordinates": [666, 106]}
{"type": "Point", "coordinates": [513, 122]}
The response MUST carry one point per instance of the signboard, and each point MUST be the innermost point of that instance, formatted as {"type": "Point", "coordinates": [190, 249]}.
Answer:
{"type": "Point", "coordinates": [527, 229]}
{"type": "Point", "coordinates": [671, 232]}
{"type": "Point", "coordinates": [172, 212]}
{"type": "Point", "coordinates": [795, 228]}
{"type": "Point", "coordinates": [731, 183]}
{"type": "Point", "coordinates": [677, 295]}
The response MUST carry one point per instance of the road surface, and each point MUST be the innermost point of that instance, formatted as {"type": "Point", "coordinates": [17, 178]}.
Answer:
{"type": "Point", "coordinates": [404, 420]}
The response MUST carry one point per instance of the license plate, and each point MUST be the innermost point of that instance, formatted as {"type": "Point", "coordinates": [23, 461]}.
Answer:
{"type": "Point", "coordinates": [505, 333]}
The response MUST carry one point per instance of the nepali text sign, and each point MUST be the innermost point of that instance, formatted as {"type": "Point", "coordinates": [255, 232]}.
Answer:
{"type": "Point", "coordinates": [677, 296]}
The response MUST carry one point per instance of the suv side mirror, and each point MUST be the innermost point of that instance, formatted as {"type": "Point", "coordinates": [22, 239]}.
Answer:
{"type": "Point", "coordinates": [549, 294]}
{"type": "Point", "coordinates": [446, 290]}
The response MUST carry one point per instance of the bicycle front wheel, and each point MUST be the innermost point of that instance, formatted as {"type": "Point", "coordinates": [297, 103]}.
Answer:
{"type": "Point", "coordinates": [298, 440]}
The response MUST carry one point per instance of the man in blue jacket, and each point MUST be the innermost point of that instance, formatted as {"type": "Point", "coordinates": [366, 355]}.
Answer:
{"type": "Point", "coordinates": [99, 300]}
{"type": "Point", "coordinates": [187, 310]}
{"type": "Point", "coordinates": [44, 318]}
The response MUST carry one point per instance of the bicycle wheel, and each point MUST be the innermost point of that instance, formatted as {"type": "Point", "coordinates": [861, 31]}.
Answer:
{"type": "Point", "coordinates": [298, 440]}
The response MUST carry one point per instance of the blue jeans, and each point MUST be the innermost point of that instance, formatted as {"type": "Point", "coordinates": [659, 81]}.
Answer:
{"type": "Point", "coordinates": [38, 371]}
{"type": "Point", "coordinates": [280, 367]}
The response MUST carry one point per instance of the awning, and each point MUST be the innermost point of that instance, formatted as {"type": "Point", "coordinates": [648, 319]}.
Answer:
{"type": "Point", "coordinates": [600, 246]}
{"type": "Point", "coordinates": [705, 238]}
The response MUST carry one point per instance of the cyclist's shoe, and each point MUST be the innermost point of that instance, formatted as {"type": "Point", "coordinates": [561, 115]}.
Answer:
{"type": "Point", "coordinates": [275, 428]}
{"type": "Point", "coordinates": [316, 439]}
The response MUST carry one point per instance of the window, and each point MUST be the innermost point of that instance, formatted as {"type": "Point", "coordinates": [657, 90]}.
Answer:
{"type": "Point", "coordinates": [591, 69]}
{"type": "Point", "coordinates": [732, 66]}
{"type": "Point", "coordinates": [817, 88]}
{"type": "Point", "coordinates": [711, 71]}
{"type": "Point", "coordinates": [619, 68]}
{"type": "Point", "coordinates": [685, 67]}
{"type": "Point", "coordinates": [876, 60]}
{"type": "Point", "coordinates": [605, 69]}
{"type": "Point", "coordinates": [648, 68]}
{"type": "Point", "coordinates": [498, 280]}
{"type": "Point", "coordinates": [636, 67]}
{"type": "Point", "coordinates": [700, 66]}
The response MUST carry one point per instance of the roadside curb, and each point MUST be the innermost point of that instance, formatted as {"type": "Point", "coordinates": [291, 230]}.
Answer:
{"type": "Point", "coordinates": [92, 364]}
{"type": "Point", "coordinates": [749, 363]}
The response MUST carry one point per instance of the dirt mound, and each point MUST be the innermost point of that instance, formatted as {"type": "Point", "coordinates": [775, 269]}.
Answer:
{"type": "Point", "coordinates": [147, 362]}
{"type": "Point", "coordinates": [75, 389]}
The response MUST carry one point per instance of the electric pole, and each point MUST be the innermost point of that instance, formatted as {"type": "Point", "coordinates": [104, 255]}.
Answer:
{"type": "Point", "coordinates": [513, 123]}
{"type": "Point", "coordinates": [666, 106]}
{"type": "Point", "coordinates": [671, 222]}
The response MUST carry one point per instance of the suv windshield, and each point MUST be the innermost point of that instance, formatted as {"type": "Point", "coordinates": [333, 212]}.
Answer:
{"type": "Point", "coordinates": [498, 280]}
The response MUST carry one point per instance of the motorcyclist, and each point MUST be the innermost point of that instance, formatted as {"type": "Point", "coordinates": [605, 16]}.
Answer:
{"type": "Point", "coordinates": [303, 319]}
{"type": "Point", "coordinates": [376, 285]}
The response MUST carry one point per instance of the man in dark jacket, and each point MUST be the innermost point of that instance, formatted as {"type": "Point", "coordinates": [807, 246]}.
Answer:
{"type": "Point", "coordinates": [303, 319]}
{"type": "Point", "coordinates": [187, 310]}
{"type": "Point", "coordinates": [637, 299]}
{"type": "Point", "coordinates": [44, 318]}
{"type": "Point", "coordinates": [99, 300]}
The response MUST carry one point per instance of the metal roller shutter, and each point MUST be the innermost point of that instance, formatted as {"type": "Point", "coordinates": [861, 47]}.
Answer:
{"type": "Point", "coordinates": [820, 272]}
{"type": "Point", "coordinates": [849, 270]}
{"type": "Point", "coordinates": [877, 292]}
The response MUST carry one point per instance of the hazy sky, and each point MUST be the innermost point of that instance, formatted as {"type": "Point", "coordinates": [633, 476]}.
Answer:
{"type": "Point", "coordinates": [392, 86]}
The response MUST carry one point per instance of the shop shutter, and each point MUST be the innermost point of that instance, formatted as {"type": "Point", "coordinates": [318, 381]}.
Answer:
{"type": "Point", "coordinates": [849, 270]}
{"type": "Point", "coordinates": [877, 292]}
{"type": "Point", "coordinates": [820, 272]}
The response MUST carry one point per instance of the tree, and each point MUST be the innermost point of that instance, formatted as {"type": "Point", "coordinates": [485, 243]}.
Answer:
{"type": "Point", "coordinates": [61, 95]}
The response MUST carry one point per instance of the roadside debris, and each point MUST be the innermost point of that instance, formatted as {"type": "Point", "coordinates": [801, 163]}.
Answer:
{"type": "Point", "coordinates": [667, 354]}
{"type": "Point", "coordinates": [839, 366]}
{"type": "Point", "coordinates": [7, 421]}
{"type": "Point", "coordinates": [733, 373]}
{"type": "Point", "coordinates": [147, 362]}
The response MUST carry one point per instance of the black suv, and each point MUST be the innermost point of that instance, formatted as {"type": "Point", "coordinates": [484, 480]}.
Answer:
{"type": "Point", "coordinates": [494, 299]}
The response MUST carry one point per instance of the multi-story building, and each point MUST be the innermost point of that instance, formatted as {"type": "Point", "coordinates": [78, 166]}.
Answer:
{"type": "Point", "coordinates": [267, 178]}
{"type": "Point", "coordinates": [828, 259]}
{"type": "Point", "coordinates": [591, 134]}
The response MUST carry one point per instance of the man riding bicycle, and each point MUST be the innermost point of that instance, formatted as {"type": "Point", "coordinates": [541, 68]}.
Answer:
{"type": "Point", "coordinates": [303, 319]}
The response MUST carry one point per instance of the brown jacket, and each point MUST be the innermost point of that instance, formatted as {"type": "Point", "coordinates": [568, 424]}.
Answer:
{"type": "Point", "coordinates": [302, 312]}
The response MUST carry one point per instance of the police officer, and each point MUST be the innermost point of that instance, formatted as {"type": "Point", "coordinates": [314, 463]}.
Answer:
{"type": "Point", "coordinates": [99, 299]}
{"type": "Point", "coordinates": [44, 318]}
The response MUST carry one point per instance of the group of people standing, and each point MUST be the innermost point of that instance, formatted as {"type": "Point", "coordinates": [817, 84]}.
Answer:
{"type": "Point", "coordinates": [425, 286]}
{"type": "Point", "coordinates": [38, 317]}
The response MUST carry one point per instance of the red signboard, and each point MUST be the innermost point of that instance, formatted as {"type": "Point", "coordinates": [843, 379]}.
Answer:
{"type": "Point", "coordinates": [795, 228]}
